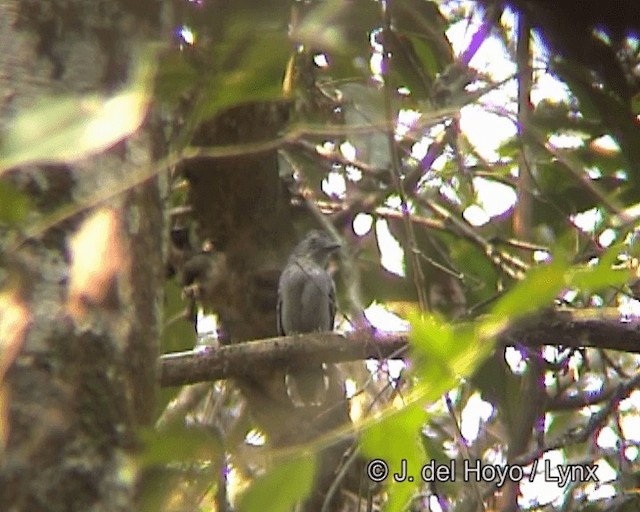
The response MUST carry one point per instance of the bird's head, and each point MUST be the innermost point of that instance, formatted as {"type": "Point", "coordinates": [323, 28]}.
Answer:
{"type": "Point", "coordinates": [317, 246]}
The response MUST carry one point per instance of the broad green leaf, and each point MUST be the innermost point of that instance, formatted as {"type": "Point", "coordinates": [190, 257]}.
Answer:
{"type": "Point", "coordinates": [635, 104]}
{"type": "Point", "coordinates": [14, 205]}
{"type": "Point", "coordinates": [256, 73]}
{"type": "Point", "coordinates": [600, 275]}
{"type": "Point", "coordinates": [427, 56]}
{"type": "Point", "coordinates": [246, 59]}
{"type": "Point", "coordinates": [337, 26]}
{"type": "Point", "coordinates": [418, 45]}
{"type": "Point", "coordinates": [537, 290]}
{"type": "Point", "coordinates": [477, 269]}
{"type": "Point", "coordinates": [396, 440]}
{"type": "Point", "coordinates": [176, 76]}
{"type": "Point", "coordinates": [281, 487]}
{"type": "Point", "coordinates": [179, 444]}
{"type": "Point", "coordinates": [561, 422]}
{"type": "Point", "coordinates": [406, 70]}
{"type": "Point", "coordinates": [67, 129]}
{"type": "Point", "coordinates": [445, 353]}
{"type": "Point", "coordinates": [423, 19]}
{"type": "Point", "coordinates": [605, 105]}
{"type": "Point", "coordinates": [364, 105]}
{"type": "Point", "coordinates": [177, 334]}
{"type": "Point", "coordinates": [432, 336]}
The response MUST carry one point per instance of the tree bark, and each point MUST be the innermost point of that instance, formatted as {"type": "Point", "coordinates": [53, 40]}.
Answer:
{"type": "Point", "coordinates": [603, 329]}
{"type": "Point", "coordinates": [79, 375]}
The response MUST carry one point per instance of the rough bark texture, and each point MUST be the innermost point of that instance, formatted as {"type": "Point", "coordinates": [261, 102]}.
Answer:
{"type": "Point", "coordinates": [241, 205]}
{"type": "Point", "coordinates": [576, 329]}
{"type": "Point", "coordinates": [85, 374]}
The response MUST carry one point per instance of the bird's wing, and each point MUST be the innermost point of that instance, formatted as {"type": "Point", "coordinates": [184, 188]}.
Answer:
{"type": "Point", "coordinates": [332, 306]}
{"type": "Point", "coordinates": [317, 299]}
{"type": "Point", "coordinates": [279, 326]}
{"type": "Point", "coordinates": [306, 299]}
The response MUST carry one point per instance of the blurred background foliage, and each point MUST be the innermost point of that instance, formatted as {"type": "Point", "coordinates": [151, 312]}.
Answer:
{"type": "Point", "coordinates": [384, 135]}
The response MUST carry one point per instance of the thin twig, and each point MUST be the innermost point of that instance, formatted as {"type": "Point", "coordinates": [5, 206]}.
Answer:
{"type": "Point", "coordinates": [412, 254]}
{"type": "Point", "coordinates": [464, 449]}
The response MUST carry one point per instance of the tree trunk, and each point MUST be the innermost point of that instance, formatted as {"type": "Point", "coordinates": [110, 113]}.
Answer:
{"type": "Point", "coordinates": [79, 302]}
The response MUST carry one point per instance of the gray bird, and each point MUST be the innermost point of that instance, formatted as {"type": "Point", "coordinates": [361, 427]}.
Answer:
{"type": "Point", "coordinates": [306, 303]}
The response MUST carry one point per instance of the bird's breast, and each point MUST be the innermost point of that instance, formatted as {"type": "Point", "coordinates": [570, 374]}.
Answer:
{"type": "Point", "coordinates": [305, 294]}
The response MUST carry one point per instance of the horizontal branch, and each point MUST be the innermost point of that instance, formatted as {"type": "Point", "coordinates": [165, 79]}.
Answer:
{"type": "Point", "coordinates": [576, 329]}
{"type": "Point", "coordinates": [241, 359]}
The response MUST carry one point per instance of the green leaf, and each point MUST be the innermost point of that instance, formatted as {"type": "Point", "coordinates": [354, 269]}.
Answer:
{"type": "Point", "coordinates": [177, 334]}
{"type": "Point", "coordinates": [281, 488]}
{"type": "Point", "coordinates": [256, 73]}
{"type": "Point", "coordinates": [422, 20]}
{"type": "Point", "coordinates": [67, 129]}
{"type": "Point", "coordinates": [538, 289]}
{"type": "Point", "coordinates": [432, 336]}
{"type": "Point", "coordinates": [543, 283]}
{"type": "Point", "coordinates": [600, 275]}
{"type": "Point", "coordinates": [364, 105]}
{"type": "Point", "coordinates": [392, 440]}
{"type": "Point", "coordinates": [176, 76]}
{"type": "Point", "coordinates": [14, 205]}
{"type": "Point", "coordinates": [337, 26]}
{"type": "Point", "coordinates": [561, 422]}
{"type": "Point", "coordinates": [445, 353]}
{"type": "Point", "coordinates": [247, 60]}
{"type": "Point", "coordinates": [406, 68]}
{"type": "Point", "coordinates": [179, 444]}
{"type": "Point", "coordinates": [477, 267]}
{"type": "Point", "coordinates": [635, 104]}
{"type": "Point", "coordinates": [427, 56]}
{"type": "Point", "coordinates": [418, 45]}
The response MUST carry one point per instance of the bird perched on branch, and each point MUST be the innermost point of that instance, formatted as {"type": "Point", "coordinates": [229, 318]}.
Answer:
{"type": "Point", "coordinates": [306, 303]}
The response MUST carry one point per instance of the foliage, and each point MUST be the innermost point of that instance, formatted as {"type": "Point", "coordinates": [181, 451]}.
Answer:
{"type": "Point", "coordinates": [68, 129]}
{"type": "Point", "coordinates": [420, 183]}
